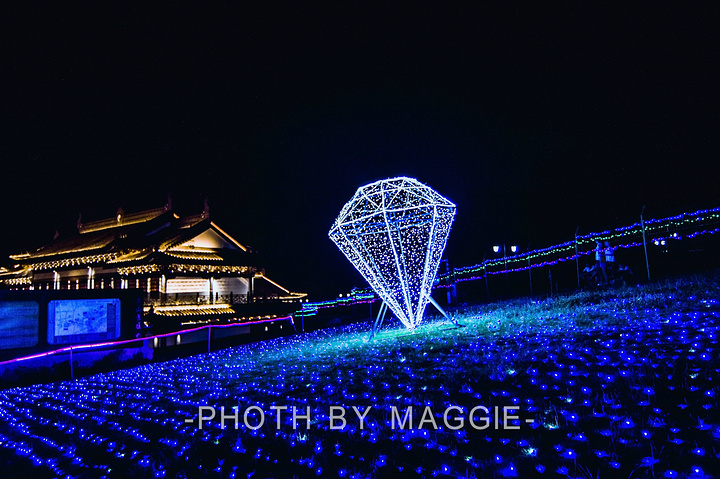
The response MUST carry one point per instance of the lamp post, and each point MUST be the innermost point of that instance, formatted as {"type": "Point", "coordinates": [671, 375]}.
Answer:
{"type": "Point", "coordinates": [513, 249]}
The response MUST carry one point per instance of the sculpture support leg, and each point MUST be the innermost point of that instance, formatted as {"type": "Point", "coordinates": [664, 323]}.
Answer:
{"type": "Point", "coordinates": [452, 320]}
{"type": "Point", "coordinates": [379, 319]}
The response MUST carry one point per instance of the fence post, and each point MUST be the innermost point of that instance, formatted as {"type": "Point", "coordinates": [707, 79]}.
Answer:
{"type": "Point", "coordinates": [72, 374]}
{"type": "Point", "coordinates": [529, 270]}
{"type": "Point", "coordinates": [487, 288]}
{"type": "Point", "coordinates": [209, 336]}
{"type": "Point", "coordinates": [530, 275]}
{"type": "Point", "coordinates": [551, 284]}
{"type": "Point", "coordinates": [453, 287]}
{"type": "Point", "coordinates": [642, 223]}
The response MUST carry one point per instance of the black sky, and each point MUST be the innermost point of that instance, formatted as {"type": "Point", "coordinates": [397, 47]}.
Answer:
{"type": "Point", "coordinates": [534, 121]}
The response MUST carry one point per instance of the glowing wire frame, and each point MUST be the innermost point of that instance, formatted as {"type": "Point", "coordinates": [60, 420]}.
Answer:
{"type": "Point", "coordinates": [394, 232]}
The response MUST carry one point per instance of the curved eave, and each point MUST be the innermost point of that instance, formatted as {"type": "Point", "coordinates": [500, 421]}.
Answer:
{"type": "Point", "coordinates": [70, 262]}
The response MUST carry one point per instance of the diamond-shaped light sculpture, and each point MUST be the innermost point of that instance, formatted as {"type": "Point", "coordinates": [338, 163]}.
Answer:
{"type": "Point", "coordinates": [394, 232]}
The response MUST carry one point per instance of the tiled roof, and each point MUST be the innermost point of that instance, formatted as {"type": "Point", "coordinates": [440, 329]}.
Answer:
{"type": "Point", "coordinates": [121, 220]}
{"type": "Point", "coordinates": [72, 244]}
{"type": "Point", "coordinates": [147, 242]}
{"type": "Point", "coordinates": [128, 237]}
{"type": "Point", "coordinates": [131, 255]}
{"type": "Point", "coordinates": [194, 255]}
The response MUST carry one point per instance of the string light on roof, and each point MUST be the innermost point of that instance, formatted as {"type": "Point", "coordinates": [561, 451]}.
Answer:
{"type": "Point", "coordinates": [394, 232]}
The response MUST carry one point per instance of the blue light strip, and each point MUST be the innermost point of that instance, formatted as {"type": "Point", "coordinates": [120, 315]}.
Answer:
{"type": "Point", "coordinates": [79, 347]}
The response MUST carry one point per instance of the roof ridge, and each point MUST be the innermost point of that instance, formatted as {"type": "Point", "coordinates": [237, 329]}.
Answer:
{"type": "Point", "coordinates": [122, 219]}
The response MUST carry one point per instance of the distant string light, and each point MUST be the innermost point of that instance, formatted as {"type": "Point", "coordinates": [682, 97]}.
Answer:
{"type": "Point", "coordinates": [658, 229]}
{"type": "Point", "coordinates": [653, 227]}
{"type": "Point", "coordinates": [357, 296]}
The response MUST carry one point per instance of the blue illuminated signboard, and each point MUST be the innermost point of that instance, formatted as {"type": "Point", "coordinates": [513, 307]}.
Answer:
{"type": "Point", "coordinates": [19, 323]}
{"type": "Point", "coordinates": [83, 320]}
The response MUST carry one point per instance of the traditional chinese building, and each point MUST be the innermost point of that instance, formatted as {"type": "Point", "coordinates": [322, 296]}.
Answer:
{"type": "Point", "coordinates": [188, 268]}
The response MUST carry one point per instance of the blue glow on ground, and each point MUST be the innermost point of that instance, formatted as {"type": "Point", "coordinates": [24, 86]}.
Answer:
{"type": "Point", "coordinates": [615, 383]}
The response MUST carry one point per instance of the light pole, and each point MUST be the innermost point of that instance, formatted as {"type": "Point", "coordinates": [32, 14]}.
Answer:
{"type": "Point", "coordinates": [513, 249]}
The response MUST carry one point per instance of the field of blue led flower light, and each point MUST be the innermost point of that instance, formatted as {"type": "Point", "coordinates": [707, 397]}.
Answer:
{"type": "Point", "coordinates": [619, 383]}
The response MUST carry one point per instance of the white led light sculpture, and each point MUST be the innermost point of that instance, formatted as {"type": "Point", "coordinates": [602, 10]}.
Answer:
{"type": "Point", "coordinates": [394, 232]}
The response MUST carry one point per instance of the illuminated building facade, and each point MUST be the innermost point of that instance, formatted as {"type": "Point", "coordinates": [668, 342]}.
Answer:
{"type": "Point", "coordinates": [186, 267]}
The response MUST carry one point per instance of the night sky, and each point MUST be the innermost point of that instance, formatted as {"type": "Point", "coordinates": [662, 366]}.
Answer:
{"type": "Point", "coordinates": [533, 121]}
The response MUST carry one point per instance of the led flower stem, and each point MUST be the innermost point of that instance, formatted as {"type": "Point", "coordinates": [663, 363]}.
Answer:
{"type": "Point", "coordinates": [394, 232]}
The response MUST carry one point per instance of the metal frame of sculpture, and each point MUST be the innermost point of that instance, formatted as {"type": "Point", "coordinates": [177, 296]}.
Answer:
{"type": "Point", "coordinates": [394, 232]}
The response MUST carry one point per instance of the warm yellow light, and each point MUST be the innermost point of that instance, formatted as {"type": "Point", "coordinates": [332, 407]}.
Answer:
{"type": "Point", "coordinates": [228, 236]}
{"type": "Point", "coordinates": [272, 282]}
